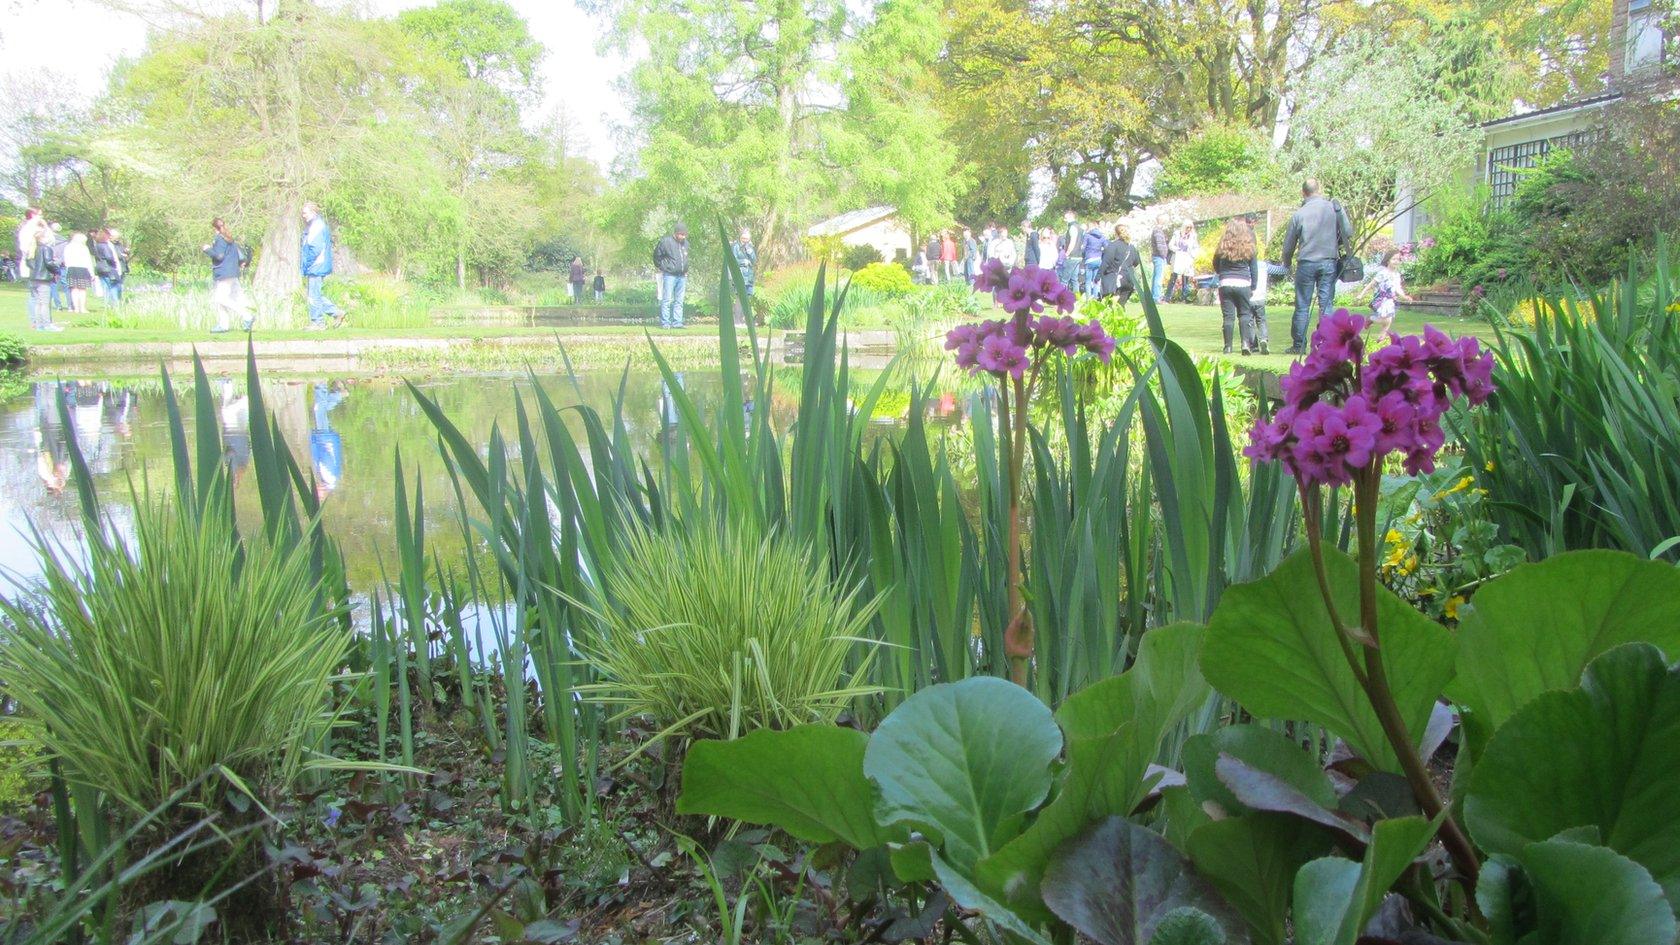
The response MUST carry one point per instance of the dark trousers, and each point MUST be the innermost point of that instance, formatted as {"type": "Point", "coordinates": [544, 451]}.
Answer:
{"type": "Point", "coordinates": [1312, 277]}
{"type": "Point", "coordinates": [1237, 302]}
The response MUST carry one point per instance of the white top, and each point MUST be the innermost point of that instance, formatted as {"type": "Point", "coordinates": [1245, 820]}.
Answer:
{"type": "Point", "coordinates": [1002, 249]}
{"type": "Point", "coordinates": [77, 255]}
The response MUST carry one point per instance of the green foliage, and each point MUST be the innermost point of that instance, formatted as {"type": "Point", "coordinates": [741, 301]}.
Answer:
{"type": "Point", "coordinates": [142, 667]}
{"type": "Point", "coordinates": [1335, 897]}
{"type": "Point", "coordinates": [1503, 663]}
{"type": "Point", "coordinates": [1602, 772]}
{"type": "Point", "coordinates": [1469, 240]}
{"type": "Point", "coordinates": [1576, 450]}
{"type": "Point", "coordinates": [1121, 884]}
{"type": "Point", "coordinates": [823, 798]}
{"type": "Point", "coordinates": [858, 256]}
{"type": "Point", "coordinates": [20, 766]}
{"type": "Point", "coordinates": [716, 632]}
{"type": "Point", "coordinates": [14, 351]}
{"type": "Point", "coordinates": [884, 277]}
{"type": "Point", "coordinates": [1589, 895]}
{"type": "Point", "coordinates": [1271, 646]}
{"type": "Point", "coordinates": [1213, 161]}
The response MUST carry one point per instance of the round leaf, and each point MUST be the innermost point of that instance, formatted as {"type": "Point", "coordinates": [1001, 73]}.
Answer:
{"type": "Point", "coordinates": [1589, 895]}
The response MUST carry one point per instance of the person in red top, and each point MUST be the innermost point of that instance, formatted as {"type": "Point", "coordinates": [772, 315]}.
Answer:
{"type": "Point", "coordinates": [948, 255]}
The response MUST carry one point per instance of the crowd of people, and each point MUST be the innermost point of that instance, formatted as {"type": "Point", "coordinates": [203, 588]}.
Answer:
{"type": "Point", "coordinates": [61, 268]}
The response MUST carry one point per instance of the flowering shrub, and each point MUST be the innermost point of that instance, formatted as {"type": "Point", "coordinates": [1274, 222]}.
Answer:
{"type": "Point", "coordinates": [1343, 412]}
{"type": "Point", "coordinates": [1014, 351]}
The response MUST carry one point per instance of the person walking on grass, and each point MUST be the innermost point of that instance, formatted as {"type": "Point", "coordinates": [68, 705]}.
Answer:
{"type": "Point", "coordinates": [1119, 263]}
{"type": "Point", "coordinates": [1319, 234]}
{"type": "Point", "coordinates": [670, 257]}
{"type": "Point", "coordinates": [948, 256]}
{"type": "Point", "coordinates": [42, 271]}
{"type": "Point", "coordinates": [316, 261]}
{"type": "Point", "coordinates": [110, 263]}
{"type": "Point", "coordinates": [227, 263]}
{"type": "Point", "coordinates": [1385, 286]}
{"type": "Point", "coordinates": [1237, 266]}
{"type": "Point", "coordinates": [1091, 261]}
{"type": "Point", "coordinates": [971, 258]}
{"type": "Point", "coordinates": [1071, 243]}
{"type": "Point", "coordinates": [600, 286]}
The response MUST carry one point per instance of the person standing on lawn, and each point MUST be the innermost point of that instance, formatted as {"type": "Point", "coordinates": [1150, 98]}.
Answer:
{"type": "Point", "coordinates": [227, 262]}
{"type": "Point", "coordinates": [1184, 247]}
{"type": "Point", "coordinates": [1119, 263]}
{"type": "Point", "coordinates": [970, 255]}
{"type": "Point", "coordinates": [1319, 234]}
{"type": "Point", "coordinates": [32, 224]}
{"type": "Point", "coordinates": [1072, 244]}
{"type": "Point", "coordinates": [110, 262]}
{"type": "Point", "coordinates": [78, 271]}
{"type": "Point", "coordinates": [576, 278]}
{"type": "Point", "coordinates": [746, 259]}
{"type": "Point", "coordinates": [1091, 256]}
{"type": "Point", "coordinates": [948, 256]}
{"type": "Point", "coordinates": [1237, 265]}
{"type": "Point", "coordinates": [316, 261]}
{"type": "Point", "coordinates": [42, 272]}
{"type": "Point", "coordinates": [600, 286]}
{"type": "Point", "coordinates": [61, 285]}
{"type": "Point", "coordinates": [1160, 251]}
{"type": "Point", "coordinates": [670, 257]}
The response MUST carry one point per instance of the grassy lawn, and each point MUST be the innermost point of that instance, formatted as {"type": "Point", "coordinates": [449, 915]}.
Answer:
{"type": "Point", "coordinates": [1196, 327]}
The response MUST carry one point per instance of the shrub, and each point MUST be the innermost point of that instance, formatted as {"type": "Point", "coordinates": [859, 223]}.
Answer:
{"type": "Point", "coordinates": [888, 278]}
{"type": "Point", "coordinates": [13, 350]}
{"type": "Point", "coordinates": [717, 632]}
{"type": "Point", "coordinates": [857, 257]}
{"type": "Point", "coordinates": [140, 665]}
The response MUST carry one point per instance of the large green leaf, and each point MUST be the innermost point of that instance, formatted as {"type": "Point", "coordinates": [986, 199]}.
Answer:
{"type": "Point", "coordinates": [1118, 881]}
{"type": "Point", "coordinates": [965, 893]}
{"type": "Point", "coordinates": [1114, 730]}
{"type": "Point", "coordinates": [1334, 897]}
{"type": "Point", "coordinates": [964, 762]}
{"type": "Point", "coordinates": [1536, 628]}
{"type": "Point", "coordinates": [1601, 756]}
{"type": "Point", "coordinates": [807, 780]}
{"type": "Point", "coordinates": [1188, 926]}
{"type": "Point", "coordinates": [1252, 861]}
{"type": "Point", "coordinates": [1590, 895]}
{"type": "Point", "coordinates": [1261, 748]}
{"type": "Point", "coordinates": [1271, 647]}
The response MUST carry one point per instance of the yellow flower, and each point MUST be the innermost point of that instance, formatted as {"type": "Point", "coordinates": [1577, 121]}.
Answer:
{"type": "Point", "coordinates": [1409, 565]}
{"type": "Point", "coordinates": [1458, 486]}
{"type": "Point", "coordinates": [1451, 609]}
{"type": "Point", "coordinates": [1488, 466]}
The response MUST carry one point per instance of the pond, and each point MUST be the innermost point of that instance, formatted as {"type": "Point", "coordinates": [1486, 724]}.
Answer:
{"type": "Point", "coordinates": [347, 431]}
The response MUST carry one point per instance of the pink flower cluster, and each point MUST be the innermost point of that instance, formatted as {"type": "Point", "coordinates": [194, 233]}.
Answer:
{"type": "Point", "coordinates": [1026, 289]}
{"type": "Point", "coordinates": [1343, 412]}
{"type": "Point", "coordinates": [1008, 347]}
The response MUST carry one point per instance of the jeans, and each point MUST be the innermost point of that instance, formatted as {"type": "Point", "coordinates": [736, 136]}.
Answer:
{"type": "Point", "coordinates": [61, 290]}
{"type": "Point", "coordinates": [671, 300]}
{"type": "Point", "coordinates": [1092, 266]}
{"type": "Point", "coordinates": [1157, 271]}
{"type": "Point", "coordinates": [1067, 271]}
{"type": "Point", "coordinates": [113, 290]}
{"type": "Point", "coordinates": [40, 304]}
{"type": "Point", "coordinates": [1312, 277]}
{"type": "Point", "coordinates": [319, 305]}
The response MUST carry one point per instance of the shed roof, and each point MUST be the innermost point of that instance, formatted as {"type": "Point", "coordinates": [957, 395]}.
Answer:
{"type": "Point", "coordinates": [854, 220]}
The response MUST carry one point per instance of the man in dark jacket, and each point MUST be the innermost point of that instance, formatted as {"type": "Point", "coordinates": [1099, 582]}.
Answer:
{"type": "Point", "coordinates": [1319, 234]}
{"type": "Point", "coordinates": [1119, 262]}
{"type": "Point", "coordinates": [670, 257]}
{"type": "Point", "coordinates": [1160, 251]}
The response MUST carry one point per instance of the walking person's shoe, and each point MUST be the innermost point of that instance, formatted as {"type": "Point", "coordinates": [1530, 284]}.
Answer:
{"type": "Point", "coordinates": [1263, 348]}
{"type": "Point", "coordinates": [1296, 349]}
{"type": "Point", "coordinates": [1228, 350]}
{"type": "Point", "coordinates": [1246, 352]}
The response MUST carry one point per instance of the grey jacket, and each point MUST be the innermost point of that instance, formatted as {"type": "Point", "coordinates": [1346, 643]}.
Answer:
{"type": "Point", "coordinates": [1319, 230]}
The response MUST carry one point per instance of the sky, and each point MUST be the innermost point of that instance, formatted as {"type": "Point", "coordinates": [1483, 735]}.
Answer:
{"type": "Point", "coordinates": [80, 40]}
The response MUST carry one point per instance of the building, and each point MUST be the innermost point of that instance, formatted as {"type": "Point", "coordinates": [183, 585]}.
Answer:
{"type": "Point", "coordinates": [1517, 142]}
{"type": "Point", "coordinates": [878, 227]}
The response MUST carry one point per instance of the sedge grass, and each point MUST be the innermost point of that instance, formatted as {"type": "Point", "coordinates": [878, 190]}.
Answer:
{"type": "Point", "coordinates": [141, 664]}
{"type": "Point", "coordinates": [720, 631]}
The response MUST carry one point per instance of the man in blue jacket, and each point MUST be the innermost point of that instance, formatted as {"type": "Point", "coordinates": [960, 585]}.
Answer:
{"type": "Point", "coordinates": [316, 261]}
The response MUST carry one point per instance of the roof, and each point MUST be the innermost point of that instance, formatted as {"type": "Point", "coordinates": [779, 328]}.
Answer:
{"type": "Point", "coordinates": [1580, 104]}
{"type": "Point", "coordinates": [847, 222]}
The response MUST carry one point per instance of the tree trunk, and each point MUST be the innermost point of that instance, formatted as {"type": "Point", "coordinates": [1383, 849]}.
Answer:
{"type": "Point", "coordinates": [277, 273]}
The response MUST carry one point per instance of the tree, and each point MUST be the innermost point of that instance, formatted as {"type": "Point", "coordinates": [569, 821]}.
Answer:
{"type": "Point", "coordinates": [1378, 133]}
{"type": "Point", "coordinates": [1214, 160]}
{"type": "Point", "coordinates": [775, 113]}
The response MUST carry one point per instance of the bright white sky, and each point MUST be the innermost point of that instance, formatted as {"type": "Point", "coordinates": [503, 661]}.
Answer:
{"type": "Point", "coordinates": [80, 39]}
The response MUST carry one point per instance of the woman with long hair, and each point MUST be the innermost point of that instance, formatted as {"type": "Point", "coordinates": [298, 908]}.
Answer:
{"type": "Point", "coordinates": [1184, 248]}
{"type": "Point", "coordinates": [1237, 265]}
{"type": "Point", "coordinates": [227, 293]}
{"type": "Point", "coordinates": [78, 270]}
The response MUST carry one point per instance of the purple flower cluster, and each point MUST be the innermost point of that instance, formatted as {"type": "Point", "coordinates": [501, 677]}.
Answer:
{"type": "Point", "coordinates": [1008, 347]}
{"type": "Point", "coordinates": [1024, 290]}
{"type": "Point", "coordinates": [1343, 412]}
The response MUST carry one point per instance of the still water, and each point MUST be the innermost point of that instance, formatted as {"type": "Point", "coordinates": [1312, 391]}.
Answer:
{"type": "Point", "coordinates": [345, 431]}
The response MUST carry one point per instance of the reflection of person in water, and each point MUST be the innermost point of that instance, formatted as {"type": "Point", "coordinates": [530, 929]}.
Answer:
{"type": "Point", "coordinates": [52, 455]}
{"type": "Point", "coordinates": [326, 448]}
{"type": "Point", "coordinates": [122, 417]}
{"type": "Point", "coordinates": [88, 419]}
{"type": "Point", "coordinates": [236, 430]}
